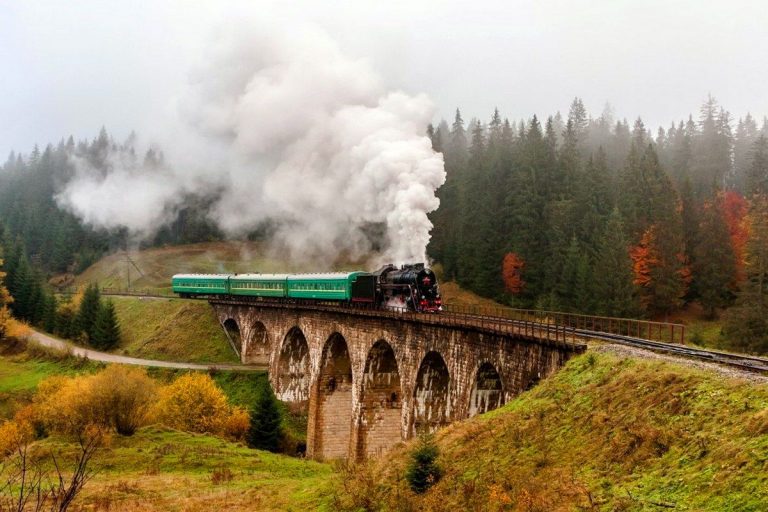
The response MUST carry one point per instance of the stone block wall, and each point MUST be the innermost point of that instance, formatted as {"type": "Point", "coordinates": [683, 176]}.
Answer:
{"type": "Point", "coordinates": [370, 382]}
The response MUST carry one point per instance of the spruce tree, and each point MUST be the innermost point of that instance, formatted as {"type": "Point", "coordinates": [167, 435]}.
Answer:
{"type": "Point", "coordinates": [614, 291]}
{"type": "Point", "coordinates": [49, 318]}
{"type": "Point", "coordinates": [574, 286]}
{"type": "Point", "coordinates": [265, 432]}
{"type": "Point", "coordinates": [89, 310]}
{"type": "Point", "coordinates": [106, 329]}
{"type": "Point", "coordinates": [715, 265]}
{"type": "Point", "coordinates": [423, 471]}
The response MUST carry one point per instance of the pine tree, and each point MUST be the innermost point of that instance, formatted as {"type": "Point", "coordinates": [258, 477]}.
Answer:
{"type": "Point", "coordinates": [49, 319]}
{"type": "Point", "coordinates": [715, 267]}
{"type": "Point", "coordinates": [265, 432]}
{"type": "Point", "coordinates": [106, 329]}
{"type": "Point", "coordinates": [89, 310]}
{"type": "Point", "coordinates": [573, 291]}
{"type": "Point", "coordinates": [613, 289]}
{"type": "Point", "coordinates": [423, 471]}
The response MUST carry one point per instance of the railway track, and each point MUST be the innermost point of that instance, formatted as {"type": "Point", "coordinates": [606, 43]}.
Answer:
{"type": "Point", "coordinates": [741, 361]}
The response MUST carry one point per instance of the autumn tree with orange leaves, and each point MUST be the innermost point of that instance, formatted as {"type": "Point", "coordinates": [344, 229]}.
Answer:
{"type": "Point", "coordinates": [735, 209]}
{"type": "Point", "coordinates": [5, 300]}
{"type": "Point", "coordinates": [660, 271]}
{"type": "Point", "coordinates": [512, 273]}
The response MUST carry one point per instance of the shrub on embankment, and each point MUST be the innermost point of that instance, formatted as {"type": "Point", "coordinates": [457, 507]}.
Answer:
{"type": "Point", "coordinates": [605, 433]}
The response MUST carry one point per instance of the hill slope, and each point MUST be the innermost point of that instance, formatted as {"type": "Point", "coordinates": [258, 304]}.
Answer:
{"type": "Point", "coordinates": [173, 330]}
{"type": "Point", "coordinates": [605, 433]}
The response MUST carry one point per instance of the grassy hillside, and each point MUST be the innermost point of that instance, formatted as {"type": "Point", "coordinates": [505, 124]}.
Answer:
{"type": "Point", "coordinates": [159, 469]}
{"type": "Point", "coordinates": [177, 330]}
{"type": "Point", "coordinates": [605, 433]}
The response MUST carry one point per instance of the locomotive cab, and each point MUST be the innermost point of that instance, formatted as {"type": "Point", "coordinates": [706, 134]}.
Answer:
{"type": "Point", "coordinates": [413, 287]}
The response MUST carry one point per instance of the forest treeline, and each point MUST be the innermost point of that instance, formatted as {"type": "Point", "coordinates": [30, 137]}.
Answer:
{"type": "Point", "coordinates": [55, 240]}
{"type": "Point", "coordinates": [594, 215]}
{"type": "Point", "coordinates": [577, 213]}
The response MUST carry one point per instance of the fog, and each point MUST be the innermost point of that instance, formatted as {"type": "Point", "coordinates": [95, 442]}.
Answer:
{"type": "Point", "coordinates": [71, 67]}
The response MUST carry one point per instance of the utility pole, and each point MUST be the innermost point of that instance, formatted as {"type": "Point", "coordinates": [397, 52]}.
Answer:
{"type": "Point", "coordinates": [128, 264]}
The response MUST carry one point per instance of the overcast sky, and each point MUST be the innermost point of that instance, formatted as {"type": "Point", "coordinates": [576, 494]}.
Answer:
{"type": "Point", "coordinates": [71, 67]}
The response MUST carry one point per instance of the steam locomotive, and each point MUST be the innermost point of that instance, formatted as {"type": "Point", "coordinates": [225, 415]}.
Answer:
{"type": "Point", "coordinates": [410, 287]}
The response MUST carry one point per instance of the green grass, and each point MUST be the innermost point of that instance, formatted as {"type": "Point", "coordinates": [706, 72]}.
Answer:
{"type": "Point", "coordinates": [604, 433]}
{"type": "Point", "coordinates": [175, 329]}
{"type": "Point", "coordinates": [20, 373]}
{"type": "Point", "coordinates": [163, 469]}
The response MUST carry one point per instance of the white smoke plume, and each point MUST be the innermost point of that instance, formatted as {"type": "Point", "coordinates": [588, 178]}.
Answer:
{"type": "Point", "coordinates": [284, 127]}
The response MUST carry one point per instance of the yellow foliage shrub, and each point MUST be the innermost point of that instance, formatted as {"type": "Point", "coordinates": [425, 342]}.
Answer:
{"type": "Point", "coordinates": [237, 424]}
{"type": "Point", "coordinates": [194, 403]}
{"type": "Point", "coordinates": [116, 398]}
{"type": "Point", "coordinates": [14, 328]}
{"type": "Point", "coordinates": [5, 317]}
{"type": "Point", "coordinates": [14, 434]}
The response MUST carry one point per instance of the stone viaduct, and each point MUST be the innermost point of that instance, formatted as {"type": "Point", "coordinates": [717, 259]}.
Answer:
{"type": "Point", "coordinates": [370, 379]}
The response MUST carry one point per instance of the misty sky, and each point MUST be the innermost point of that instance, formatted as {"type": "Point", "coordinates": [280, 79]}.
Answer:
{"type": "Point", "coordinates": [71, 67]}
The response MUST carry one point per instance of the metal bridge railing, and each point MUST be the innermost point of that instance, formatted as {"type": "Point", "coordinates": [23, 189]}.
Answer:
{"type": "Point", "coordinates": [645, 329]}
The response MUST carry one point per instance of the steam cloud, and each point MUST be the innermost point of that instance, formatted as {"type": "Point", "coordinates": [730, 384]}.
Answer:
{"type": "Point", "coordinates": [284, 127]}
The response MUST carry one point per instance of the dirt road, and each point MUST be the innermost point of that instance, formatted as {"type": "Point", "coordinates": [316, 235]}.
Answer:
{"type": "Point", "coordinates": [94, 355]}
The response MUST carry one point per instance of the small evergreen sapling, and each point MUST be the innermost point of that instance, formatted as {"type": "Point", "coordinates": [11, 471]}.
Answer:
{"type": "Point", "coordinates": [423, 471]}
{"type": "Point", "coordinates": [266, 430]}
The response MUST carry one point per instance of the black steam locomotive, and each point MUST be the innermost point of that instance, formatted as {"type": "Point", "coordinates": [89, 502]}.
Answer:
{"type": "Point", "coordinates": [413, 287]}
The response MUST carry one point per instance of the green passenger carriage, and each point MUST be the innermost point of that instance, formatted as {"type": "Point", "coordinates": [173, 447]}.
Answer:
{"type": "Point", "coordinates": [258, 285]}
{"type": "Point", "coordinates": [200, 284]}
{"type": "Point", "coordinates": [339, 286]}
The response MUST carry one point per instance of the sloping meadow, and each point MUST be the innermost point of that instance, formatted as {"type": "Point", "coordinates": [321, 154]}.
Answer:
{"type": "Point", "coordinates": [605, 433]}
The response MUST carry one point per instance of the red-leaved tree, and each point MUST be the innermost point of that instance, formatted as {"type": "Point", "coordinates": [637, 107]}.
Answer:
{"type": "Point", "coordinates": [661, 270]}
{"type": "Point", "coordinates": [735, 211]}
{"type": "Point", "coordinates": [512, 273]}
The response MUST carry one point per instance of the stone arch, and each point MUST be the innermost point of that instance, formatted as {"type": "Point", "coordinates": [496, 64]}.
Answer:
{"type": "Point", "coordinates": [232, 330]}
{"type": "Point", "coordinates": [293, 373]}
{"type": "Point", "coordinates": [381, 402]}
{"type": "Point", "coordinates": [487, 391]}
{"type": "Point", "coordinates": [431, 398]}
{"type": "Point", "coordinates": [333, 400]}
{"type": "Point", "coordinates": [256, 346]}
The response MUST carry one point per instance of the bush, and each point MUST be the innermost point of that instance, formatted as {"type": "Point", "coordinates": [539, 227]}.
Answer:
{"type": "Point", "coordinates": [116, 398]}
{"type": "Point", "coordinates": [423, 472]}
{"type": "Point", "coordinates": [194, 403]}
